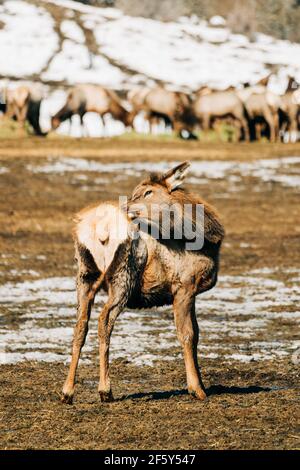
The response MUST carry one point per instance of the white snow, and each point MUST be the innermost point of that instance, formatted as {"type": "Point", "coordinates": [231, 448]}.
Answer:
{"type": "Point", "coordinates": [109, 13]}
{"type": "Point", "coordinates": [184, 54]}
{"type": "Point", "coordinates": [240, 307]}
{"type": "Point", "coordinates": [74, 63]}
{"type": "Point", "coordinates": [71, 30]}
{"type": "Point", "coordinates": [285, 171]}
{"type": "Point", "coordinates": [28, 39]}
{"type": "Point", "coordinates": [217, 20]}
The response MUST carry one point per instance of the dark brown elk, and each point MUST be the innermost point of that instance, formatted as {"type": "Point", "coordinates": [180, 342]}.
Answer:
{"type": "Point", "coordinates": [144, 271]}
{"type": "Point", "coordinates": [23, 104]}
{"type": "Point", "coordinates": [215, 105]}
{"type": "Point", "coordinates": [158, 103]}
{"type": "Point", "coordinates": [82, 99]}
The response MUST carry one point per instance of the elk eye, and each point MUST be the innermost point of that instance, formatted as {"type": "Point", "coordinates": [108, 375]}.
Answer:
{"type": "Point", "coordinates": [148, 193]}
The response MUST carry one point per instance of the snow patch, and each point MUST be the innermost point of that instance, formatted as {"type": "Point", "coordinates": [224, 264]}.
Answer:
{"type": "Point", "coordinates": [240, 307]}
{"type": "Point", "coordinates": [72, 31]}
{"type": "Point", "coordinates": [133, 50]}
{"type": "Point", "coordinates": [28, 39]}
{"type": "Point", "coordinates": [284, 170]}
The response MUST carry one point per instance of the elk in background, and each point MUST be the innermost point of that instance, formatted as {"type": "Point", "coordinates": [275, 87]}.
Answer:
{"type": "Point", "coordinates": [144, 272]}
{"type": "Point", "coordinates": [82, 99]}
{"type": "Point", "coordinates": [263, 109]}
{"type": "Point", "coordinates": [173, 107]}
{"type": "Point", "coordinates": [260, 113]}
{"type": "Point", "coordinates": [210, 106]}
{"type": "Point", "coordinates": [23, 104]}
{"type": "Point", "coordinates": [291, 110]}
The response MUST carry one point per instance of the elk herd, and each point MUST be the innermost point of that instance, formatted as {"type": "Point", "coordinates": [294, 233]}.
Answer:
{"type": "Point", "coordinates": [252, 111]}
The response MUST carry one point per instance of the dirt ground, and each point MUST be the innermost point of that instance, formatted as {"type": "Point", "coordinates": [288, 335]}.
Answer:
{"type": "Point", "coordinates": [251, 405]}
{"type": "Point", "coordinates": [152, 409]}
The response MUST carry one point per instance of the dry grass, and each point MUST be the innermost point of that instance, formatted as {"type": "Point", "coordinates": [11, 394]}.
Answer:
{"type": "Point", "coordinates": [133, 147]}
{"type": "Point", "coordinates": [252, 406]}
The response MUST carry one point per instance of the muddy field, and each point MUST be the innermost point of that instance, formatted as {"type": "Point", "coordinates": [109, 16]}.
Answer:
{"type": "Point", "coordinates": [249, 324]}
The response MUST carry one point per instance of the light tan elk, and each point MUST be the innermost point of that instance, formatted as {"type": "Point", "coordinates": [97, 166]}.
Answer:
{"type": "Point", "coordinates": [82, 99]}
{"type": "Point", "coordinates": [23, 103]}
{"type": "Point", "coordinates": [143, 272]}
{"type": "Point", "coordinates": [158, 103]}
{"type": "Point", "coordinates": [215, 105]}
{"type": "Point", "coordinates": [291, 109]}
{"type": "Point", "coordinates": [263, 107]}
{"type": "Point", "coordinates": [260, 112]}
{"type": "Point", "coordinates": [137, 99]}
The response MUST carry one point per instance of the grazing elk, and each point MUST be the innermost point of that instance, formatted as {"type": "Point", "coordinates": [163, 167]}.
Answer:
{"type": "Point", "coordinates": [173, 107]}
{"type": "Point", "coordinates": [263, 108]}
{"type": "Point", "coordinates": [291, 110]}
{"type": "Point", "coordinates": [82, 99]}
{"type": "Point", "coordinates": [260, 113]}
{"type": "Point", "coordinates": [215, 105]}
{"type": "Point", "coordinates": [145, 271]}
{"type": "Point", "coordinates": [24, 103]}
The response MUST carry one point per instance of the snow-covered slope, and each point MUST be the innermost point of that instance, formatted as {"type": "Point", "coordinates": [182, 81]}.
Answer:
{"type": "Point", "coordinates": [62, 42]}
{"type": "Point", "coordinates": [27, 39]}
{"type": "Point", "coordinates": [67, 42]}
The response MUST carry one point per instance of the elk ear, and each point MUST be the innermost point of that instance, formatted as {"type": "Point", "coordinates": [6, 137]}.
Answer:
{"type": "Point", "coordinates": [174, 177]}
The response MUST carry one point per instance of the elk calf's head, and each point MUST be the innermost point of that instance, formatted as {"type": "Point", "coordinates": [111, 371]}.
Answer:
{"type": "Point", "coordinates": [159, 204]}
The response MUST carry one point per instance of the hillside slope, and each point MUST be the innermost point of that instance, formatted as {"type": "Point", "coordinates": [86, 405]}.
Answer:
{"type": "Point", "coordinates": [64, 42]}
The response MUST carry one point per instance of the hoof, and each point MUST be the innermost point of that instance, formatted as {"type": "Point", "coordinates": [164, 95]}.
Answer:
{"type": "Point", "coordinates": [199, 394]}
{"type": "Point", "coordinates": [68, 399]}
{"type": "Point", "coordinates": [106, 396]}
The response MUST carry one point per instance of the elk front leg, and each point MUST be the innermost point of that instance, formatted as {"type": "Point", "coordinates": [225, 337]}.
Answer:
{"type": "Point", "coordinates": [188, 335]}
{"type": "Point", "coordinates": [86, 291]}
{"type": "Point", "coordinates": [276, 123]}
{"type": "Point", "coordinates": [121, 283]}
{"type": "Point", "coordinates": [245, 128]}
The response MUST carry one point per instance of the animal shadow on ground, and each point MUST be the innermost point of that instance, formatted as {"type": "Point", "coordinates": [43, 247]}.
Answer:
{"type": "Point", "coordinates": [210, 391]}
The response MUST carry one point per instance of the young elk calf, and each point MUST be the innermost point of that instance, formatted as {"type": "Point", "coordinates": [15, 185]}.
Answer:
{"type": "Point", "coordinates": [144, 272]}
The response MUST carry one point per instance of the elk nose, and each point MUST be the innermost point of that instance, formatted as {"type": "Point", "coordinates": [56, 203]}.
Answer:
{"type": "Point", "coordinates": [133, 213]}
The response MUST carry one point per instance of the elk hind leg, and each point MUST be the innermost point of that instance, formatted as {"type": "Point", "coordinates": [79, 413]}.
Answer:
{"type": "Point", "coordinates": [119, 292]}
{"type": "Point", "coordinates": [87, 286]}
{"type": "Point", "coordinates": [106, 321]}
{"type": "Point", "coordinates": [188, 335]}
{"type": "Point", "coordinates": [270, 121]}
{"type": "Point", "coordinates": [244, 127]}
